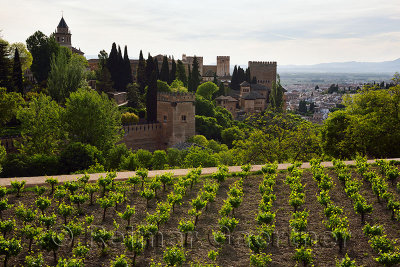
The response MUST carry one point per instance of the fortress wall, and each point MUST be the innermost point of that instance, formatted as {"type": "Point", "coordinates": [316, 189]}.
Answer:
{"type": "Point", "coordinates": [145, 136]}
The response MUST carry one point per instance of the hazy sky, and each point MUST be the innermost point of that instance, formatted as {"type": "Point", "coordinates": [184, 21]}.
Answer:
{"type": "Point", "coordinates": [286, 31]}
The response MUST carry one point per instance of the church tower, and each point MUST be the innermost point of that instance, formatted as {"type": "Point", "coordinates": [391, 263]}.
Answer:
{"type": "Point", "coordinates": [62, 34]}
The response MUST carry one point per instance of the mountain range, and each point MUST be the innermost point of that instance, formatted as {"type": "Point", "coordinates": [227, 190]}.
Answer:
{"type": "Point", "coordinates": [345, 67]}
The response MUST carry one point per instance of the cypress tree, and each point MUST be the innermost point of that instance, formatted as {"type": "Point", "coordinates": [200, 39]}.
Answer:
{"type": "Point", "coordinates": [128, 70]}
{"type": "Point", "coordinates": [112, 65]}
{"type": "Point", "coordinates": [156, 69]}
{"type": "Point", "coordinates": [149, 68]}
{"type": "Point", "coordinates": [195, 77]}
{"type": "Point", "coordinates": [234, 80]}
{"type": "Point", "coordinates": [151, 94]}
{"type": "Point", "coordinates": [247, 74]}
{"type": "Point", "coordinates": [141, 73]}
{"type": "Point", "coordinates": [164, 74]}
{"type": "Point", "coordinates": [4, 65]}
{"type": "Point", "coordinates": [276, 97]}
{"type": "Point", "coordinates": [241, 76]}
{"type": "Point", "coordinates": [17, 73]}
{"type": "Point", "coordinates": [172, 74]}
{"type": "Point", "coordinates": [120, 71]}
{"type": "Point", "coordinates": [181, 73]}
{"type": "Point", "coordinates": [190, 80]}
{"type": "Point", "coordinates": [254, 80]}
{"type": "Point", "coordinates": [215, 80]}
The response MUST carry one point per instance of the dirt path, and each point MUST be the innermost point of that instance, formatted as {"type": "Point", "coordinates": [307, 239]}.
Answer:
{"type": "Point", "coordinates": [39, 180]}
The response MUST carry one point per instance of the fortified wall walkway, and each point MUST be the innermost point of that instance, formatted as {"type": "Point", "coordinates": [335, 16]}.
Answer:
{"type": "Point", "coordinates": [40, 180]}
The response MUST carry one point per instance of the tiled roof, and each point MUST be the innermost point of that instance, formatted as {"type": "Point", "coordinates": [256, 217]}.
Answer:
{"type": "Point", "coordinates": [253, 95]}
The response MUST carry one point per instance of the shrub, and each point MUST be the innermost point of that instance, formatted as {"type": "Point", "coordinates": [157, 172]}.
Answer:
{"type": "Point", "coordinates": [65, 211]}
{"type": "Point", "coordinates": [174, 256]}
{"type": "Point", "coordinates": [120, 261]}
{"type": "Point", "coordinates": [159, 160]}
{"type": "Point", "coordinates": [303, 255]}
{"type": "Point", "coordinates": [145, 158]}
{"type": "Point", "coordinates": [78, 156]}
{"type": "Point", "coordinates": [116, 155]}
{"type": "Point", "coordinates": [346, 262]}
{"type": "Point", "coordinates": [260, 260]}
{"type": "Point", "coordinates": [52, 182]}
{"type": "Point", "coordinates": [127, 214]}
{"type": "Point", "coordinates": [129, 118]}
{"type": "Point", "coordinates": [43, 203]}
{"type": "Point", "coordinates": [34, 261]}
{"type": "Point", "coordinates": [186, 227]}
{"type": "Point", "coordinates": [101, 237]}
{"type": "Point", "coordinates": [134, 244]}
{"type": "Point", "coordinates": [256, 243]}
{"type": "Point", "coordinates": [18, 186]}
{"type": "Point", "coordinates": [10, 247]}
{"type": "Point", "coordinates": [51, 241]}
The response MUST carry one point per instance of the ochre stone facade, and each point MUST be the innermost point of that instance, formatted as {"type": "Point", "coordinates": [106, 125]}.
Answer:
{"type": "Point", "coordinates": [265, 72]}
{"type": "Point", "coordinates": [176, 123]}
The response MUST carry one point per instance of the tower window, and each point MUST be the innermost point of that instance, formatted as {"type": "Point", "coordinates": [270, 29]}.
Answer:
{"type": "Point", "coordinates": [183, 117]}
{"type": "Point", "coordinates": [165, 118]}
{"type": "Point", "coordinates": [62, 39]}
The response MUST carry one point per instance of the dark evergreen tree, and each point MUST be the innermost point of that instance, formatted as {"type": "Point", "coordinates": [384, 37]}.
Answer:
{"type": "Point", "coordinates": [120, 73]}
{"type": "Point", "coordinates": [172, 74]}
{"type": "Point", "coordinates": [164, 73]}
{"type": "Point", "coordinates": [215, 80]}
{"type": "Point", "coordinates": [156, 68]}
{"type": "Point", "coordinates": [241, 76]}
{"type": "Point", "coordinates": [141, 73]}
{"type": "Point", "coordinates": [248, 76]}
{"type": "Point", "coordinates": [254, 80]}
{"type": "Point", "coordinates": [112, 65]}
{"type": "Point", "coordinates": [4, 65]}
{"type": "Point", "coordinates": [181, 73]}
{"type": "Point", "coordinates": [195, 76]}
{"type": "Point", "coordinates": [149, 69]}
{"type": "Point", "coordinates": [17, 73]}
{"type": "Point", "coordinates": [127, 67]}
{"type": "Point", "coordinates": [151, 94]}
{"type": "Point", "coordinates": [302, 107]}
{"type": "Point", "coordinates": [221, 90]}
{"type": "Point", "coordinates": [234, 79]}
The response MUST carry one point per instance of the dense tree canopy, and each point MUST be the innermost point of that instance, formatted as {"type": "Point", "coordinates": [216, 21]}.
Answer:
{"type": "Point", "coordinates": [92, 118]}
{"type": "Point", "coordinates": [42, 49]}
{"type": "Point", "coordinates": [370, 125]}
{"type": "Point", "coordinates": [207, 90]}
{"type": "Point", "coordinates": [9, 105]}
{"type": "Point", "coordinates": [42, 128]}
{"type": "Point", "coordinates": [67, 74]}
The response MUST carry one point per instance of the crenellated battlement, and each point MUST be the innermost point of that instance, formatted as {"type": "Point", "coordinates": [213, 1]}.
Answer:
{"type": "Point", "coordinates": [139, 129]}
{"type": "Point", "coordinates": [175, 97]}
{"type": "Point", "coordinates": [273, 63]}
{"type": "Point", "coordinates": [223, 57]}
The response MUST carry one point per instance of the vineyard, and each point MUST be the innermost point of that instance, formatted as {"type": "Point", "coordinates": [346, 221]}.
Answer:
{"type": "Point", "coordinates": [343, 216]}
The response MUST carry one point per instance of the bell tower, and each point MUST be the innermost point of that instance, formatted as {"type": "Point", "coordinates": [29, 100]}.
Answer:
{"type": "Point", "coordinates": [62, 34]}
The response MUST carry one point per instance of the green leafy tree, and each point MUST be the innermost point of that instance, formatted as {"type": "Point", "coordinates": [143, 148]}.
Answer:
{"type": "Point", "coordinates": [42, 130]}
{"type": "Point", "coordinates": [42, 49]}
{"type": "Point", "coordinates": [135, 244]}
{"type": "Point", "coordinates": [9, 105]}
{"type": "Point", "coordinates": [92, 119]}
{"type": "Point", "coordinates": [51, 241]}
{"type": "Point", "coordinates": [276, 96]}
{"type": "Point", "coordinates": [67, 74]}
{"type": "Point", "coordinates": [207, 90]}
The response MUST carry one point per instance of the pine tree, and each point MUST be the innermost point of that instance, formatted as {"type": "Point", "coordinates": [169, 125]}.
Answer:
{"type": "Point", "coordinates": [141, 73]}
{"type": "Point", "coordinates": [164, 74]}
{"type": "Point", "coordinates": [17, 73]}
{"type": "Point", "coordinates": [128, 70]}
{"type": "Point", "coordinates": [172, 74]}
{"type": "Point", "coordinates": [151, 94]}
{"type": "Point", "coordinates": [181, 73]}
{"type": "Point", "coordinates": [195, 76]}
{"type": "Point", "coordinates": [4, 65]}
{"type": "Point", "coordinates": [156, 69]}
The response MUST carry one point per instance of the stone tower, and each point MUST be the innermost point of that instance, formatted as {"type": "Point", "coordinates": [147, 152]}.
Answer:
{"type": "Point", "coordinates": [62, 34]}
{"type": "Point", "coordinates": [223, 66]}
{"type": "Point", "coordinates": [265, 72]}
{"type": "Point", "coordinates": [176, 111]}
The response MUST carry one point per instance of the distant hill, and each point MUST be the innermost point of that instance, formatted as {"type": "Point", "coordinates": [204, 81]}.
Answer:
{"type": "Point", "coordinates": [345, 67]}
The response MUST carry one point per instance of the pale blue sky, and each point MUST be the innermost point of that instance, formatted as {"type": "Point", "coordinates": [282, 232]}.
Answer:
{"type": "Point", "coordinates": [287, 31]}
